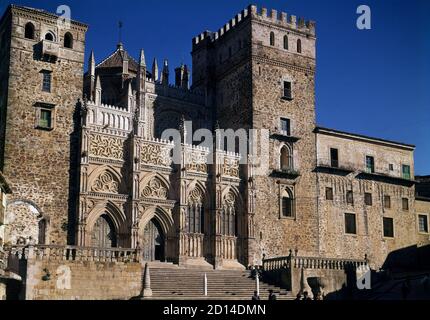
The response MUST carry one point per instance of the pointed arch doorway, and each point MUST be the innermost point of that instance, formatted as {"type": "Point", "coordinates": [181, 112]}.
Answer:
{"type": "Point", "coordinates": [104, 234]}
{"type": "Point", "coordinates": [153, 242]}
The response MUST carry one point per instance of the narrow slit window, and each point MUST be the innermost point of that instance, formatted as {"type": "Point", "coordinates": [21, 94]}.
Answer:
{"type": "Point", "coordinates": [46, 81]}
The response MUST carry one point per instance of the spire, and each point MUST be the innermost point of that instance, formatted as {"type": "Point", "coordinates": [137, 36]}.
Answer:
{"type": "Point", "coordinates": [98, 83]}
{"type": "Point", "coordinates": [98, 92]}
{"type": "Point", "coordinates": [130, 97]}
{"type": "Point", "coordinates": [155, 70]}
{"type": "Point", "coordinates": [142, 62]}
{"type": "Point", "coordinates": [165, 73]}
{"type": "Point", "coordinates": [141, 74]}
{"type": "Point", "coordinates": [92, 64]}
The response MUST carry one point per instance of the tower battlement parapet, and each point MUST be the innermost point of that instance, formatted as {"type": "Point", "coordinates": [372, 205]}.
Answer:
{"type": "Point", "coordinates": [281, 19]}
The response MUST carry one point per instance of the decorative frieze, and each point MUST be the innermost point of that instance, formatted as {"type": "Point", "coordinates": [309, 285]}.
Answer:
{"type": "Point", "coordinates": [196, 161]}
{"type": "Point", "coordinates": [106, 147]}
{"type": "Point", "coordinates": [231, 167]}
{"type": "Point", "coordinates": [156, 155]}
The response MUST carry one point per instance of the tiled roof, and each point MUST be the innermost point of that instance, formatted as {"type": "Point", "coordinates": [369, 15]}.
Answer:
{"type": "Point", "coordinates": [116, 59]}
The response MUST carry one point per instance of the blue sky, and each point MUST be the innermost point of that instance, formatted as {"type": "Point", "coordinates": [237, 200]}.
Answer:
{"type": "Point", "coordinates": [374, 82]}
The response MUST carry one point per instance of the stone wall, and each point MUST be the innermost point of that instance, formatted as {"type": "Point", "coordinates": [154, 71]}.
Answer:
{"type": "Point", "coordinates": [349, 176]}
{"type": "Point", "coordinates": [69, 273]}
{"type": "Point", "coordinates": [422, 207]}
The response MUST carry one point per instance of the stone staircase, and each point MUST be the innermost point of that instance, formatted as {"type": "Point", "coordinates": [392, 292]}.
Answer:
{"type": "Point", "coordinates": [188, 284]}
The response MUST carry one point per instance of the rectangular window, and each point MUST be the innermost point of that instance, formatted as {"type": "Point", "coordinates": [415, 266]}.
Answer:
{"type": "Point", "coordinates": [388, 228]}
{"type": "Point", "coordinates": [350, 197]}
{"type": "Point", "coordinates": [405, 204]}
{"type": "Point", "coordinates": [406, 172]}
{"type": "Point", "coordinates": [368, 199]}
{"type": "Point", "coordinates": [387, 202]}
{"type": "Point", "coordinates": [334, 158]}
{"type": "Point", "coordinates": [350, 223]}
{"type": "Point", "coordinates": [45, 119]}
{"type": "Point", "coordinates": [370, 164]}
{"type": "Point", "coordinates": [329, 193]}
{"type": "Point", "coordinates": [287, 207]}
{"type": "Point", "coordinates": [285, 126]}
{"type": "Point", "coordinates": [391, 167]}
{"type": "Point", "coordinates": [46, 81]}
{"type": "Point", "coordinates": [287, 90]}
{"type": "Point", "coordinates": [423, 226]}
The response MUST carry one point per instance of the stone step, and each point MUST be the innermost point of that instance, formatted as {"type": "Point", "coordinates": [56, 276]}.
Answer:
{"type": "Point", "coordinates": [183, 283]}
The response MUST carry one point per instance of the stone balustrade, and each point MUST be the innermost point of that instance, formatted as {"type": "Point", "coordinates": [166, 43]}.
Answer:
{"type": "Point", "coordinates": [310, 263]}
{"type": "Point", "coordinates": [73, 253]}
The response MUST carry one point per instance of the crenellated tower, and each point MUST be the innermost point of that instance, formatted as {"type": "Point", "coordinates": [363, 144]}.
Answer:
{"type": "Point", "coordinates": [258, 72]}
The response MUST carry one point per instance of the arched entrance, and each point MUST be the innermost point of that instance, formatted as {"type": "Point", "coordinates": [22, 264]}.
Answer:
{"type": "Point", "coordinates": [153, 242]}
{"type": "Point", "coordinates": [104, 234]}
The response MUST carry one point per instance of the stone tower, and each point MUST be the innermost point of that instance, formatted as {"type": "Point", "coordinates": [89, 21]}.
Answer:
{"type": "Point", "coordinates": [258, 73]}
{"type": "Point", "coordinates": [41, 74]}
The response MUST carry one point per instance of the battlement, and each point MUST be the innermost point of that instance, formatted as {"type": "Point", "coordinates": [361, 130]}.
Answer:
{"type": "Point", "coordinates": [281, 19]}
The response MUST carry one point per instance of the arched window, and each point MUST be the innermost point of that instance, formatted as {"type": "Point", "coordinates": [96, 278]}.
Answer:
{"type": "Point", "coordinates": [272, 39]}
{"type": "Point", "coordinates": [49, 36]}
{"type": "Point", "coordinates": [286, 42]}
{"type": "Point", "coordinates": [68, 40]}
{"type": "Point", "coordinates": [299, 46]}
{"type": "Point", "coordinates": [286, 160]}
{"type": "Point", "coordinates": [195, 214]}
{"type": "Point", "coordinates": [229, 216]}
{"type": "Point", "coordinates": [287, 204]}
{"type": "Point", "coordinates": [29, 31]}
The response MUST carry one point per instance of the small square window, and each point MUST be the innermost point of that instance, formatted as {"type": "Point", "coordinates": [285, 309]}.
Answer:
{"type": "Point", "coordinates": [285, 126]}
{"type": "Point", "coordinates": [350, 223]}
{"type": "Point", "coordinates": [287, 90]}
{"type": "Point", "coordinates": [329, 193]}
{"type": "Point", "coordinates": [45, 119]}
{"type": "Point", "coordinates": [350, 197]}
{"type": "Point", "coordinates": [405, 204]}
{"type": "Point", "coordinates": [423, 226]}
{"type": "Point", "coordinates": [387, 202]}
{"type": "Point", "coordinates": [368, 199]}
{"type": "Point", "coordinates": [388, 228]}
{"type": "Point", "coordinates": [44, 116]}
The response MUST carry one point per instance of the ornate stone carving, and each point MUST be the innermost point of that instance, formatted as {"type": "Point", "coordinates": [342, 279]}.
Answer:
{"type": "Point", "coordinates": [106, 147]}
{"type": "Point", "coordinates": [105, 183]}
{"type": "Point", "coordinates": [196, 196]}
{"type": "Point", "coordinates": [196, 161]}
{"type": "Point", "coordinates": [155, 189]}
{"type": "Point", "coordinates": [230, 198]}
{"type": "Point", "coordinates": [231, 167]}
{"type": "Point", "coordinates": [154, 154]}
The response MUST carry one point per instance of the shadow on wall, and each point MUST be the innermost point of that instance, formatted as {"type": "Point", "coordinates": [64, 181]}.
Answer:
{"type": "Point", "coordinates": [412, 258]}
{"type": "Point", "coordinates": [405, 265]}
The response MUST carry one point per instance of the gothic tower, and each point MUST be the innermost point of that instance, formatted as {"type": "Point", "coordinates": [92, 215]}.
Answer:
{"type": "Point", "coordinates": [41, 76]}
